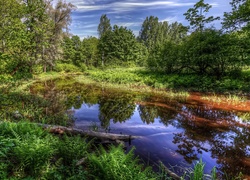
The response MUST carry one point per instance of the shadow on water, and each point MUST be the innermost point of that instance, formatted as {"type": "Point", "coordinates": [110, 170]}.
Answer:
{"type": "Point", "coordinates": [176, 133]}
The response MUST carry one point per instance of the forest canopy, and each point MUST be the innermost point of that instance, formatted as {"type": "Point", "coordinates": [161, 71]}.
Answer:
{"type": "Point", "coordinates": [34, 37]}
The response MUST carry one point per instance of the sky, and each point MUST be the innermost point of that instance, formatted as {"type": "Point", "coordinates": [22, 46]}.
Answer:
{"type": "Point", "coordinates": [132, 13]}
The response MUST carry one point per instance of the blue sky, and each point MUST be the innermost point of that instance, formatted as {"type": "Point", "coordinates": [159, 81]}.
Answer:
{"type": "Point", "coordinates": [132, 13]}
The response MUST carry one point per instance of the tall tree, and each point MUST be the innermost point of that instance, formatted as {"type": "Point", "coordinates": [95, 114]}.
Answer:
{"type": "Point", "coordinates": [150, 33]}
{"type": "Point", "coordinates": [197, 19]}
{"type": "Point", "coordinates": [60, 19]}
{"type": "Point", "coordinates": [13, 37]}
{"type": "Point", "coordinates": [104, 27]}
{"type": "Point", "coordinates": [118, 45]}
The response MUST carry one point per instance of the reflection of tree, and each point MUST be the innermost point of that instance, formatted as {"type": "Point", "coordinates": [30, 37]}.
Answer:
{"type": "Point", "coordinates": [232, 151]}
{"type": "Point", "coordinates": [228, 142]}
{"type": "Point", "coordinates": [188, 147]}
{"type": "Point", "coordinates": [148, 113]}
{"type": "Point", "coordinates": [116, 108]}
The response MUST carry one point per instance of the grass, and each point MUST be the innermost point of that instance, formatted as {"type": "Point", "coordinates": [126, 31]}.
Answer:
{"type": "Point", "coordinates": [129, 79]}
{"type": "Point", "coordinates": [244, 116]}
{"type": "Point", "coordinates": [140, 77]}
{"type": "Point", "coordinates": [229, 99]}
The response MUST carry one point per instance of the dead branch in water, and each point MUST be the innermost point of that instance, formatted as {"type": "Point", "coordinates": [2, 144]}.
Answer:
{"type": "Point", "coordinates": [169, 172]}
{"type": "Point", "coordinates": [100, 135]}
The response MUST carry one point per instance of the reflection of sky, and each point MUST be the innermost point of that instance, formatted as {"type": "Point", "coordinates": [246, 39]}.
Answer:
{"type": "Point", "coordinates": [87, 113]}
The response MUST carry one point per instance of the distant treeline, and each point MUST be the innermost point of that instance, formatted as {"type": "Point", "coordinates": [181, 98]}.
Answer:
{"type": "Point", "coordinates": [34, 33]}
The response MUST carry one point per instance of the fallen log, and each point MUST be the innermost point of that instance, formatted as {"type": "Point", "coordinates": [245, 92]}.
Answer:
{"type": "Point", "coordinates": [101, 135]}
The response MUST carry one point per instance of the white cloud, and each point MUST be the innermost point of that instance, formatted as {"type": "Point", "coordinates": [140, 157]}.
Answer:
{"type": "Point", "coordinates": [125, 5]}
{"type": "Point", "coordinates": [170, 19]}
{"type": "Point", "coordinates": [129, 24]}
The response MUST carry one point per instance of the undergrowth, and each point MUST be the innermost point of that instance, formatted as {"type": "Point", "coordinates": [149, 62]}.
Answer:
{"type": "Point", "coordinates": [175, 82]}
{"type": "Point", "coordinates": [29, 152]}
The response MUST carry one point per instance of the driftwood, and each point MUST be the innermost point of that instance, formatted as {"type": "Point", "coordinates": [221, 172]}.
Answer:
{"type": "Point", "coordinates": [101, 135]}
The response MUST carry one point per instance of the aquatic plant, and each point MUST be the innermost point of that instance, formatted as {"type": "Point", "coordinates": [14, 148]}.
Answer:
{"type": "Point", "coordinates": [197, 173]}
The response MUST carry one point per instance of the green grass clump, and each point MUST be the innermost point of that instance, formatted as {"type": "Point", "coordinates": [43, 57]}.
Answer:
{"type": "Point", "coordinates": [197, 173]}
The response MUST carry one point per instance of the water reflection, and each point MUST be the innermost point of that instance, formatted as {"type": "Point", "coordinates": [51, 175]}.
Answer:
{"type": "Point", "coordinates": [174, 132]}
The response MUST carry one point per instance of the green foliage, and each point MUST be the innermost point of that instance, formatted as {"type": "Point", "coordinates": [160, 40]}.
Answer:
{"type": "Point", "coordinates": [137, 77]}
{"type": "Point", "coordinates": [196, 15]}
{"type": "Point", "coordinates": [115, 164]}
{"type": "Point", "coordinates": [198, 172]}
{"type": "Point", "coordinates": [26, 148]}
{"type": "Point", "coordinates": [238, 17]}
{"type": "Point", "coordinates": [76, 149]}
{"type": "Point", "coordinates": [119, 46]}
{"type": "Point", "coordinates": [33, 154]}
{"type": "Point", "coordinates": [104, 25]}
{"type": "Point", "coordinates": [64, 67]}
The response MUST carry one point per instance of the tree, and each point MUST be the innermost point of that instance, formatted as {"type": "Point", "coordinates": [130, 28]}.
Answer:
{"type": "Point", "coordinates": [104, 27]}
{"type": "Point", "coordinates": [13, 37]}
{"type": "Point", "coordinates": [90, 51]}
{"type": "Point", "coordinates": [238, 23]}
{"type": "Point", "coordinates": [151, 33]}
{"type": "Point", "coordinates": [196, 16]}
{"type": "Point", "coordinates": [197, 42]}
{"type": "Point", "coordinates": [60, 19]}
{"type": "Point", "coordinates": [118, 46]}
{"type": "Point", "coordinates": [239, 17]}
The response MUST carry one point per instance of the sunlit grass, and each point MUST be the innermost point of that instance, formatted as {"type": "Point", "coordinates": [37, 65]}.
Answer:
{"type": "Point", "coordinates": [229, 99]}
{"type": "Point", "coordinates": [131, 79]}
{"type": "Point", "coordinates": [244, 116]}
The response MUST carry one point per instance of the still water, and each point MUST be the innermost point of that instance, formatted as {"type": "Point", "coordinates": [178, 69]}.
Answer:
{"type": "Point", "coordinates": [175, 132]}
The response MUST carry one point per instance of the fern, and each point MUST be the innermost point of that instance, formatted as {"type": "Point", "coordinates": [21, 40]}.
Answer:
{"type": "Point", "coordinates": [115, 164]}
{"type": "Point", "coordinates": [71, 149]}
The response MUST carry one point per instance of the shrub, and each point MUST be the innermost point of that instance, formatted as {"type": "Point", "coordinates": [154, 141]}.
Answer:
{"type": "Point", "coordinates": [63, 67]}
